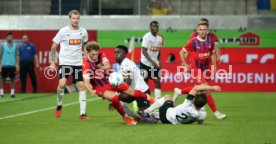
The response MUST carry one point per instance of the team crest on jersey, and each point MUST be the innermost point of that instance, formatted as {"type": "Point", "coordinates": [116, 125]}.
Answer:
{"type": "Point", "coordinates": [74, 41]}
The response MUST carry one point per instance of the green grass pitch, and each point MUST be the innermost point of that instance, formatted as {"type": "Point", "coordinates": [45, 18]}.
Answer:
{"type": "Point", "coordinates": [29, 119]}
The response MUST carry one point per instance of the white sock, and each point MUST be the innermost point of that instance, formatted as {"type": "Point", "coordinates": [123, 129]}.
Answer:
{"type": "Point", "coordinates": [157, 104]}
{"type": "Point", "coordinates": [60, 94]}
{"type": "Point", "coordinates": [12, 91]}
{"type": "Point", "coordinates": [82, 100]}
{"type": "Point", "coordinates": [127, 110]}
{"type": "Point", "coordinates": [157, 93]}
{"type": "Point", "coordinates": [1, 91]}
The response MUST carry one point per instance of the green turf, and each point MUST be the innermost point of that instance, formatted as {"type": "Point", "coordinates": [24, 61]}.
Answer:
{"type": "Point", "coordinates": [251, 119]}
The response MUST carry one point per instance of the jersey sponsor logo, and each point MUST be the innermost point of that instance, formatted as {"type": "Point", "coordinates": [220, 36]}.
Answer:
{"type": "Point", "coordinates": [154, 48]}
{"type": "Point", "coordinates": [203, 55]}
{"type": "Point", "coordinates": [74, 41]}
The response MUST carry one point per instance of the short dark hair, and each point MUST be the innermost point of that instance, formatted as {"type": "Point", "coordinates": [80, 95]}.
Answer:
{"type": "Point", "coordinates": [122, 47]}
{"type": "Point", "coordinates": [154, 22]}
{"type": "Point", "coordinates": [92, 46]}
{"type": "Point", "coordinates": [200, 100]}
{"type": "Point", "coordinates": [9, 33]}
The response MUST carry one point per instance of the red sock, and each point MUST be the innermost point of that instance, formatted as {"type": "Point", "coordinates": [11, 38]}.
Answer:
{"type": "Point", "coordinates": [139, 94]}
{"type": "Point", "coordinates": [117, 105]}
{"type": "Point", "coordinates": [211, 103]}
{"type": "Point", "coordinates": [186, 90]}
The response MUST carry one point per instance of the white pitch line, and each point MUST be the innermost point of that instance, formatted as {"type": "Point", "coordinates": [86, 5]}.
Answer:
{"type": "Point", "coordinates": [45, 109]}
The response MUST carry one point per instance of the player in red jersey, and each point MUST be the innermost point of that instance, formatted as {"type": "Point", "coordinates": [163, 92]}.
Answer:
{"type": "Point", "coordinates": [202, 54]}
{"type": "Point", "coordinates": [95, 73]}
{"type": "Point", "coordinates": [212, 37]}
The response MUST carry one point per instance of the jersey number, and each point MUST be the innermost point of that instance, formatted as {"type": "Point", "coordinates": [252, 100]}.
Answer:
{"type": "Point", "coordinates": [181, 118]}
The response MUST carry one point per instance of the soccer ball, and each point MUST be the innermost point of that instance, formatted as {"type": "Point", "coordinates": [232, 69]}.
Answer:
{"type": "Point", "coordinates": [116, 79]}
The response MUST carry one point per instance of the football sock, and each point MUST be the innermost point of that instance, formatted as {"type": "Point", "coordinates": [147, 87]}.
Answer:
{"type": "Point", "coordinates": [60, 94]}
{"type": "Point", "coordinates": [1, 91]}
{"type": "Point", "coordinates": [117, 105]}
{"type": "Point", "coordinates": [82, 100]}
{"type": "Point", "coordinates": [127, 110]}
{"type": "Point", "coordinates": [186, 90]}
{"type": "Point", "coordinates": [158, 103]}
{"type": "Point", "coordinates": [12, 91]}
{"type": "Point", "coordinates": [211, 103]}
{"type": "Point", "coordinates": [139, 94]}
{"type": "Point", "coordinates": [157, 93]}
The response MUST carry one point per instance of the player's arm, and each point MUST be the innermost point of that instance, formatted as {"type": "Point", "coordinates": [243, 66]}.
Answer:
{"type": "Point", "coordinates": [204, 87]}
{"type": "Point", "coordinates": [145, 53]}
{"type": "Point", "coordinates": [36, 58]}
{"type": "Point", "coordinates": [105, 65]}
{"type": "Point", "coordinates": [17, 58]}
{"type": "Point", "coordinates": [1, 50]}
{"type": "Point", "coordinates": [217, 48]}
{"type": "Point", "coordinates": [86, 78]}
{"type": "Point", "coordinates": [183, 56]}
{"type": "Point", "coordinates": [53, 54]}
{"type": "Point", "coordinates": [214, 60]}
{"type": "Point", "coordinates": [84, 43]}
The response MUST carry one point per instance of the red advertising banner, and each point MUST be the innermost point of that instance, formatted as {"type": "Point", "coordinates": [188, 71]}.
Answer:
{"type": "Point", "coordinates": [253, 69]}
{"type": "Point", "coordinates": [232, 78]}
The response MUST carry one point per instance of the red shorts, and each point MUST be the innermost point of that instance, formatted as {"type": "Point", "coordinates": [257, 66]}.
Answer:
{"type": "Point", "coordinates": [108, 87]}
{"type": "Point", "coordinates": [201, 77]}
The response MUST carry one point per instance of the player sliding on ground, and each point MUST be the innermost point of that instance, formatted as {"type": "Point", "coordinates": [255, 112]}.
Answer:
{"type": "Point", "coordinates": [95, 75]}
{"type": "Point", "coordinates": [191, 110]}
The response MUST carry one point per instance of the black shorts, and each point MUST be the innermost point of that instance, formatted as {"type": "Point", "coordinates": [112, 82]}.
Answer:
{"type": "Point", "coordinates": [146, 72]}
{"type": "Point", "coordinates": [142, 103]}
{"type": "Point", "coordinates": [64, 71]}
{"type": "Point", "coordinates": [163, 111]}
{"type": "Point", "coordinates": [8, 72]}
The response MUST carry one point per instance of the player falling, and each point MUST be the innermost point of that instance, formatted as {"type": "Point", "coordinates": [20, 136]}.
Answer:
{"type": "Point", "coordinates": [95, 73]}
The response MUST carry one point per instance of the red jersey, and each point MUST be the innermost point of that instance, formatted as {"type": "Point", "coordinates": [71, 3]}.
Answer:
{"type": "Point", "coordinates": [211, 36]}
{"type": "Point", "coordinates": [200, 53]}
{"type": "Point", "coordinates": [98, 77]}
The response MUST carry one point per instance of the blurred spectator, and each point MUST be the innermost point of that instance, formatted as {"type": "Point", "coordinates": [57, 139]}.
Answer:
{"type": "Point", "coordinates": [159, 7]}
{"type": "Point", "coordinates": [171, 58]}
{"type": "Point", "coordinates": [9, 60]}
{"type": "Point", "coordinates": [28, 54]}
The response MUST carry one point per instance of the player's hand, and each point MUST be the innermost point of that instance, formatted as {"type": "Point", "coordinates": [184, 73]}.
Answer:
{"type": "Point", "coordinates": [37, 66]}
{"type": "Point", "coordinates": [100, 66]}
{"type": "Point", "coordinates": [111, 107]}
{"type": "Point", "coordinates": [155, 65]}
{"type": "Point", "coordinates": [53, 65]}
{"type": "Point", "coordinates": [187, 68]}
{"type": "Point", "coordinates": [214, 69]}
{"type": "Point", "coordinates": [216, 88]}
{"type": "Point", "coordinates": [17, 67]}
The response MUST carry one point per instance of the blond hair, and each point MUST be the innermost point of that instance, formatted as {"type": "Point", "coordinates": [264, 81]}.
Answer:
{"type": "Point", "coordinates": [74, 12]}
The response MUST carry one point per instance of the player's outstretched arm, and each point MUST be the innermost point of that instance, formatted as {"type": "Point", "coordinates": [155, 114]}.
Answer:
{"type": "Point", "coordinates": [88, 86]}
{"type": "Point", "coordinates": [204, 87]}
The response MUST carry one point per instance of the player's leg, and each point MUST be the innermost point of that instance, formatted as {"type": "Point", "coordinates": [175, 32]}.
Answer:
{"type": "Point", "coordinates": [158, 103]}
{"type": "Point", "coordinates": [33, 77]}
{"type": "Point", "coordinates": [178, 92]}
{"type": "Point", "coordinates": [77, 76]}
{"type": "Point", "coordinates": [168, 103]}
{"type": "Point", "coordinates": [212, 105]}
{"type": "Point", "coordinates": [62, 75]}
{"type": "Point", "coordinates": [134, 93]}
{"type": "Point", "coordinates": [111, 95]}
{"type": "Point", "coordinates": [4, 75]}
{"type": "Point", "coordinates": [157, 84]}
{"type": "Point", "coordinates": [12, 71]}
{"type": "Point", "coordinates": [23, 77]}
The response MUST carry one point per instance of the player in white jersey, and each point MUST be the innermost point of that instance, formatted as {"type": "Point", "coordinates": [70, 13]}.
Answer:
{"type": "Point", "coordinates": [133, 78]}
{"type": "Point", "coordinates": [191, 110]}
{"type": "Point", "coordinates": [150, 56]}
{"type": "Point", "coordinates": [71, 39]}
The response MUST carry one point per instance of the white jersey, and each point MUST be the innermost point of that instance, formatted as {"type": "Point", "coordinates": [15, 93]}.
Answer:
{"type": "Point", "coordinates": [71, 42]}
{"type": "Point", "coordinates": [185, 113]}
{"type": "Point", "coordinates": [128, 67]}
{"type": "Point", "coordinates": [153, 45]}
